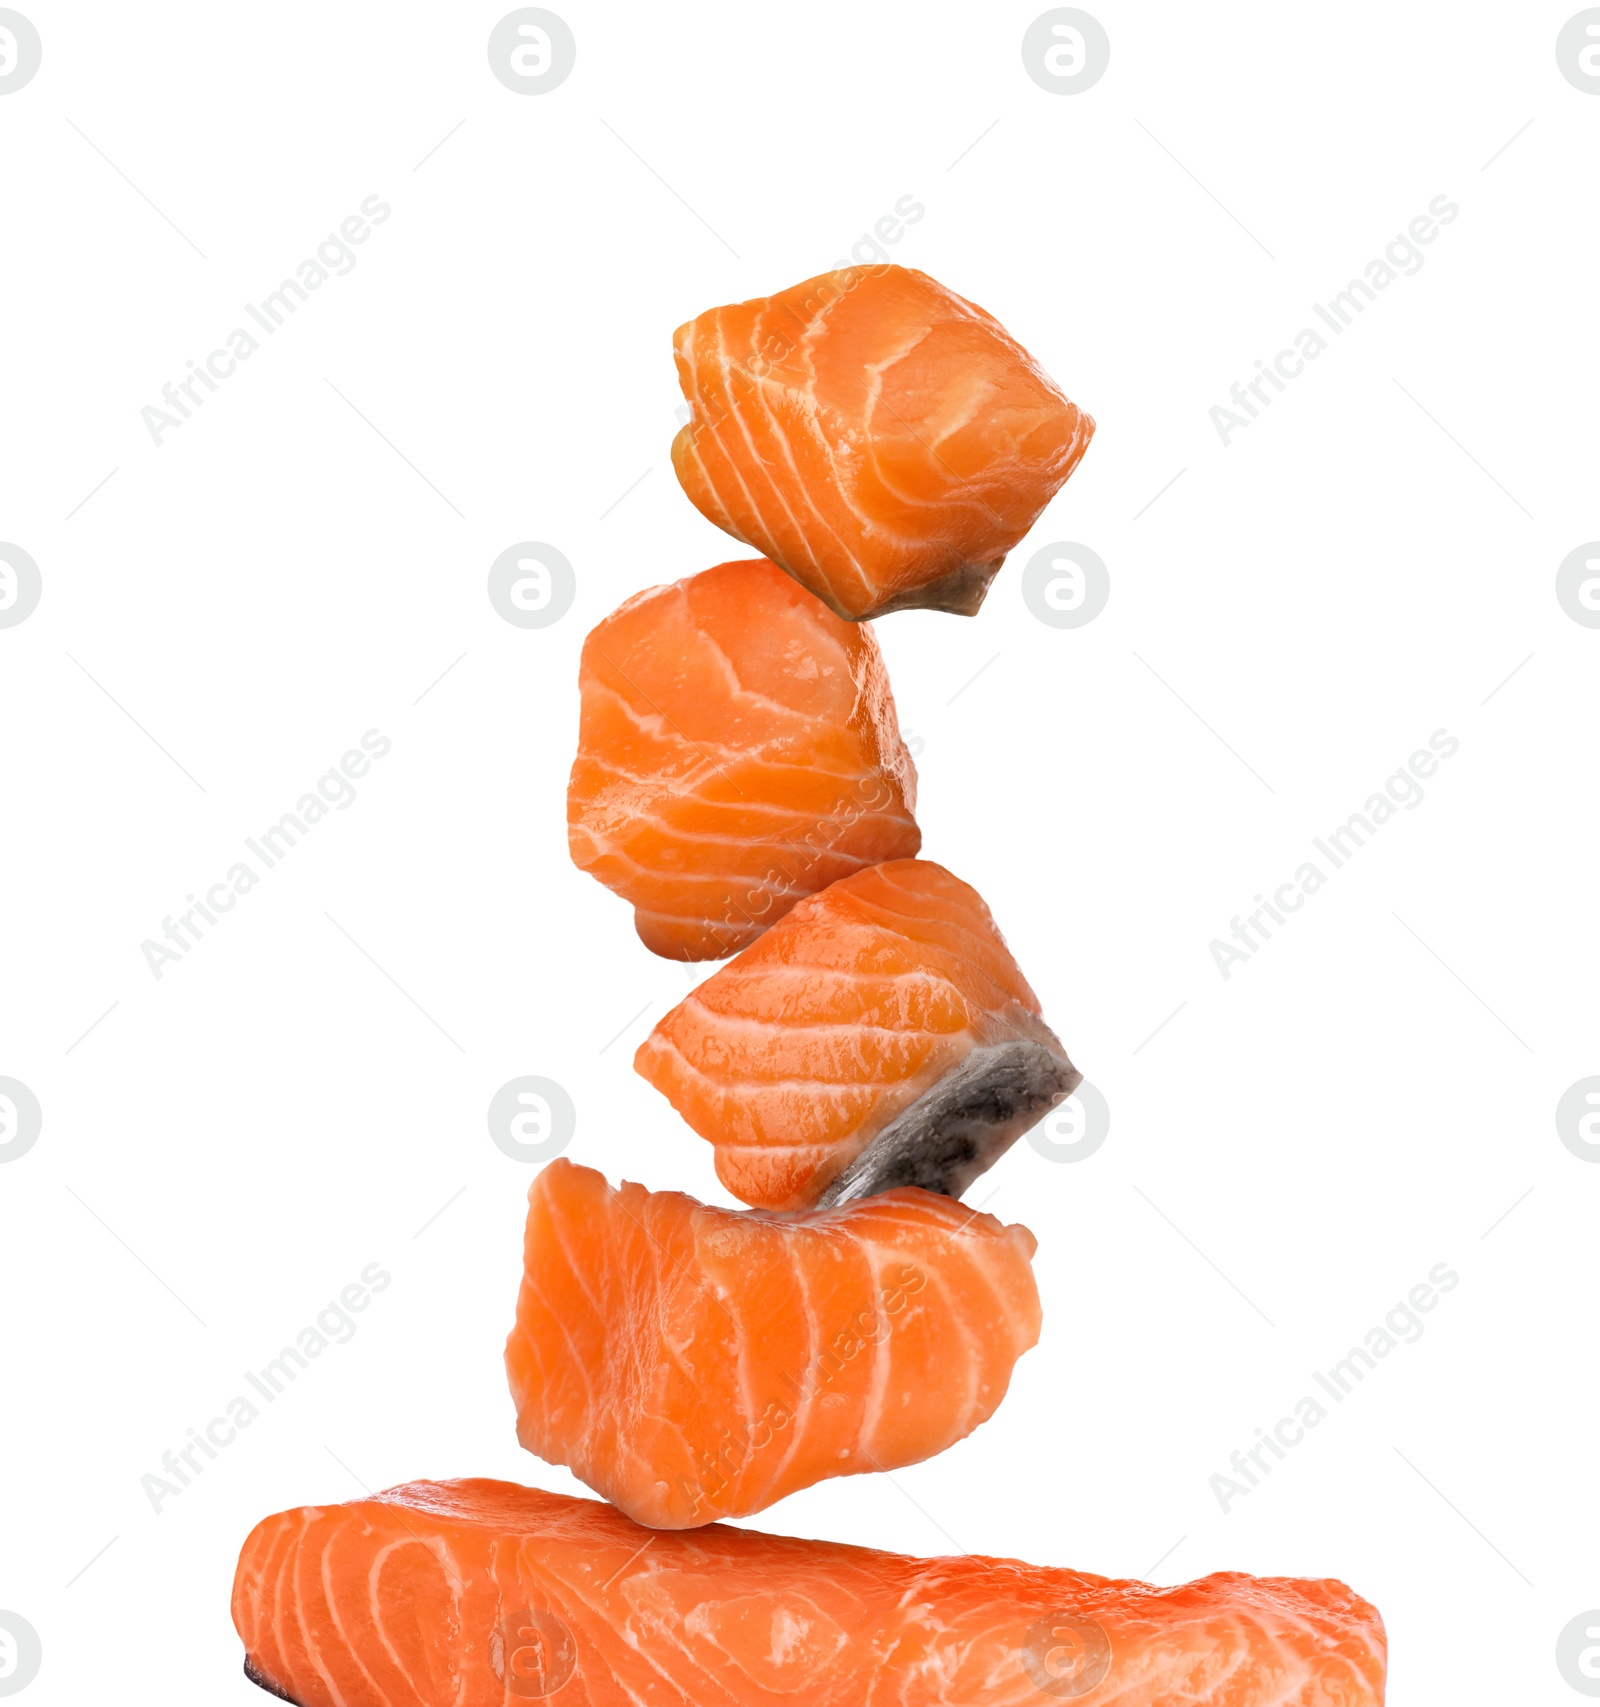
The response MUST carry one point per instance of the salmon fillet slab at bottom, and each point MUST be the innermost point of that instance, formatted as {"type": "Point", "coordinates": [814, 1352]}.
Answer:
{"type": "Point", "coordinates": [482, 1594]}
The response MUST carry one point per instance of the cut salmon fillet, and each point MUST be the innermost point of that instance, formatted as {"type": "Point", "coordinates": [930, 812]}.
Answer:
{"type": "Point", "coordinates": [690, 1362]}
{"type": "Point", "coordinates": [880, 1034]}
{"type": "Point", "coordinates": [881, 438]}
{"type": "Point", "coordinates": [481, 1594]}
{"type": "Point", "coordinates": [737, 750]}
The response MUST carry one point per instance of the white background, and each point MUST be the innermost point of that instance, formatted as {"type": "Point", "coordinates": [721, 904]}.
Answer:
{"type": "Point", "coordinates": [1363, 1099]}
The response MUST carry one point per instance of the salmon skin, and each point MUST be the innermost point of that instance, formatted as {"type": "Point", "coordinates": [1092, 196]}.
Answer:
{"type": "Point", "coordinates": [482, 1594]}
{"type": "Point", "coordinates": [737, 750]}
{"type": "Point", "coordinates": [691, 1363]}
{"type": "Point", "coordinates": [878, 436]}
{"type": "Point", "coordinates": [881, 1034]}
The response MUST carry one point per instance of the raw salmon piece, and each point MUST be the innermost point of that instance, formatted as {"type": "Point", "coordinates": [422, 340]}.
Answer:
{"type": "Point", "coordinates": [878, 436]}
{"type": "Point", "coordinates": [879, 1035]}
{"type": "Point", "coordinates": [690, 1362]}
{"type": "Point", "coordinates": [737, 749]}
{"type": "Point", "coordinates": [481, 1594]}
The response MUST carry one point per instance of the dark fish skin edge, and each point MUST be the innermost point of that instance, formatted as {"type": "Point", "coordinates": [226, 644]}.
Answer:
{"type": "Point", "coordinates": [262, 1681]}
{"type": "Point", "coordinates": [959, 593]}
{"type": "Point", "coordinates": [962, 1126]}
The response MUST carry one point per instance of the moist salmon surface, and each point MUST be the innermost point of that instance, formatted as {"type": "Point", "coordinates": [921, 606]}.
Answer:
{"type": "Point", "coordinates": [483, 1594]}
{"type": "Point", "coordinates": [689, 1362]}
{"type": "Point", "coordinates": [792, 1057]}
{"type": "Point", "coordinates": [881, 438]}
{"type": "Point", "coordinates": [737, 750]}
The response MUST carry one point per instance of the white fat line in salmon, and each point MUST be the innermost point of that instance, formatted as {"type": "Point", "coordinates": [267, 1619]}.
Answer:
{"type": "Point", "coordinates": [889, 228]}
{"type": "Point", "coordinates": [790, 866]}
{"type": "Point", "coordinates": [870, 1327]}
{"type": "Point", "coordinates": [334, 256]}
{"type": "Point", "coordinates": [1341, 310]}
{"type": "Point", "coordinates": [1402, 1325]}
{"type": "Point", "coordinates": [269, 847]}
{"type": "Point", "coordinates": [335, 1324]}
{"type": "Point", "coordinates": [779, 341]}
{"type": "Point", "coordinates": [1403, 789]}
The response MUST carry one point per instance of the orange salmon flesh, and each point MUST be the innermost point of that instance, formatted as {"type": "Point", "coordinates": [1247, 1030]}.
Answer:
{"type": "Point", "coordinates": [481, 1594]}
{"type": "Point", "coordinates": [737, 751]}
{"type": "Point", "coordinates": [881, 438]}
{"type": "Point", "coordinates": [691, 1363]}
{"type": "Point", "coordinates": [861, 1008]}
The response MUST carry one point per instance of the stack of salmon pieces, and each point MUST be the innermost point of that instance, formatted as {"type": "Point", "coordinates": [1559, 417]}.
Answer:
{"type": "Point", "coordinates": [868, 1050]}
